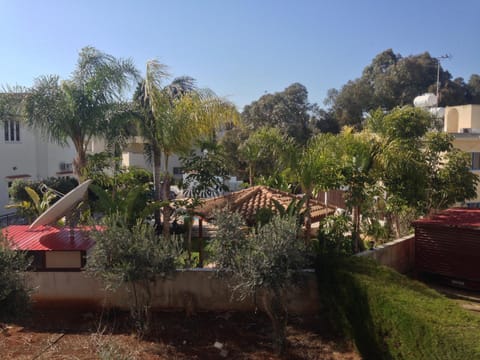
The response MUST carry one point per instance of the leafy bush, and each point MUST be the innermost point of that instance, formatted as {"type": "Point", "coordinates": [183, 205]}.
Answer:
{"type": "Point", "coordinates": [390, 316]}
{"type": "Point", "coordinates": [266, 262]}
{"type": "Point", "coordinates": [18, 193]}
{"type": "Point", "coordinates": [134, 257]}
{"type": "Point", "coordinates": [14, 293]}
{"type": "Point", "coordinates": [334, 236]}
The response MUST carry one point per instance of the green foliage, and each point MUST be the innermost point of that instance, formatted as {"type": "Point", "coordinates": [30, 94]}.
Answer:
{"type": "Point", "coordinates": [391, 80]}
{"type": "Point", "coordinates": [18, 193]}
{"type": "Point", "coordinates": [266, 152]}
{"type": "Point", "coordinates": [449, 177]}
{"type": "Point", "coordinates": [35, 206]}
{"type": "Point", "coordinates": [287, 110]}
{"type": "Point", "coordinates": [14, 291]}
{"type": "Point", "coordinates": [171, 119]}
{"type": "Point", "coordinates": [334, 237]}
{"type": "Point", "coordinates": [79, 108]}
{"type": "Point", "coordinates": [392, 317]}
{"type": "Point", "coordinates": [266, 261]}
{"type": "Point", "coordinates": [135, 257]}
{"type": "Point", "coordinates": [229, 241]}
{"type": "Point", "coordinates": [124, 190]}
{"type": "Point", "coordinates": [124, 255]}
{"type": "Point", "coordinates": [206, 172]}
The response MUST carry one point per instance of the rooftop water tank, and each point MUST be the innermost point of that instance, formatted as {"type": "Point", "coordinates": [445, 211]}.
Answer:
{"type": "Point", "coordinates": [437, 112]}
{"type": "Point", "coordinates": [425, 100]}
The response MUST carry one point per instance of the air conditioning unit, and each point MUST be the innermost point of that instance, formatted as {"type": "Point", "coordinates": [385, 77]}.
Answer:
{"type": "Point", "coordinates": [65, 166]}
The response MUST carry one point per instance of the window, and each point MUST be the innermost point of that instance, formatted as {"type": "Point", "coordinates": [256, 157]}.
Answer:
{"type": "Point", "coordinates": [11, 130]}
{"type": "Point", "coordinates": [476, 161]}
{"type": "Point", "coordinates": [177, 170]}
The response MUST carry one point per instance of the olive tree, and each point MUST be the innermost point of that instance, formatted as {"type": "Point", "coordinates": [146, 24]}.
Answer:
{"type": "Point", "coordinates": [263, 263]}
{"type": "Point", "coordinates": [135, 257]}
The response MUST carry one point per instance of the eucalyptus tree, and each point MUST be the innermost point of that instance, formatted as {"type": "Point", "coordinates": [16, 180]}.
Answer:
{"type": "Point", "coordinates": [80, 107]}
{"type": "Point", "coordinates": [173, 118]}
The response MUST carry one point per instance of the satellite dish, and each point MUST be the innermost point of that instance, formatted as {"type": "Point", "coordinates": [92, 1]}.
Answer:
{"type": "Point", "coordinates": [62, 206]}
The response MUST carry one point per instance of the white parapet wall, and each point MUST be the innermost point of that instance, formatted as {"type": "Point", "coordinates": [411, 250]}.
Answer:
{"type": "Point", "coordinates": [189, 290]}
{"type": "Point", "coordinates": [398, 254]}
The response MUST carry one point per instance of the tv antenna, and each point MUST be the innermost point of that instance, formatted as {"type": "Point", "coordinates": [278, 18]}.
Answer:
{"type": "Point", "coordinates": [440, 58]}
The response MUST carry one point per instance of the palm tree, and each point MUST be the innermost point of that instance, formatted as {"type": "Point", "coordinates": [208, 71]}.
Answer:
{"type": "Point", "coordinates": [173, 118]}
{"type": "Point", "coordinates": [77, 109]}
{"type": "Point", "coordinates": [317, 168]}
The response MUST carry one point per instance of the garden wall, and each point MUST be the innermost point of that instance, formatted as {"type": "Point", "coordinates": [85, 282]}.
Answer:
{"type": "Point", "coordinates": [398, 254]}
{"type": "Point", "coordinates": [189, 290]}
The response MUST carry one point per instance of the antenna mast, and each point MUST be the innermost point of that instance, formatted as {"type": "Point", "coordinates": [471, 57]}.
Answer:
{"type": "Point", "coordinates": [439, 58]}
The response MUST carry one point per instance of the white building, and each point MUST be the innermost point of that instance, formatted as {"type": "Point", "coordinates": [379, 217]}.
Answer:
{"type": "Point", "coordinates": [25, 155]}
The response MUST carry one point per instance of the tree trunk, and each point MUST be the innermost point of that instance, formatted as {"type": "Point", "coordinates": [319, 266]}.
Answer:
{"type": "Point", "coordinates": [277, 312]}
{"type": "Point", "coordinates": [157, 194]}
{"type": "Point", "coordinates": [79, 163]}
{"type": "Point", "coordinates": [165, 197]}
{"type": "Point", "coordinates": [356, 228]}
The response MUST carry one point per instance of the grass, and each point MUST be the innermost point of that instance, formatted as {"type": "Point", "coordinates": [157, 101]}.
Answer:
{"type": "Point", "coordinates": [390, 316]}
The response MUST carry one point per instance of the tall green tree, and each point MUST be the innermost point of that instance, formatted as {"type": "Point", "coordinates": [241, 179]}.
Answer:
{"type": "Point", "coordinates": [78, 108]}
{"type": "Point", "coordinates": [417, 169]}
{"type": "Point", "coordinates": [391, 80]}
{"type": "Point", "coordinates": [266, 152]}
{"type": "Point", "coordinates": [173, 118]}
{"type": "Point", "coordinates": [287, 110]}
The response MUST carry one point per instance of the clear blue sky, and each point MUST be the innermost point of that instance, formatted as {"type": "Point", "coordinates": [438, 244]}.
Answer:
{"type": "Point", "coordinates": [238, 48]}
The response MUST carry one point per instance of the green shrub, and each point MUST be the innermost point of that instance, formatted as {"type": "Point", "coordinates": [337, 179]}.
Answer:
{"type": "Point", "coordinates": [135, 257]}
{"type": "Point", "coordinates": [390, 316]}
{"type": "Point", "coordinates": [14, 293]}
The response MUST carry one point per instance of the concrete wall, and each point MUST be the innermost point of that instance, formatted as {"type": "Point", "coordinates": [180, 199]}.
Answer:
{"type": "Point", "coordinates": [398, 254]}
{"type": "Point", "coordinates": [189, 290]}
{"type": "Point", "coordinates": [462, 117]}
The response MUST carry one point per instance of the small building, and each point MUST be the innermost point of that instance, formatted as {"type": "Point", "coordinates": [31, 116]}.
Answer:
{"type": "Point", "coordinates": [248, 202]}
{"type": "Point", "coordinates": [447, 246]}
{"type": "Point", "coordinates": [51, 248]}
{"type": "Point", "coordinates": [463, 123]}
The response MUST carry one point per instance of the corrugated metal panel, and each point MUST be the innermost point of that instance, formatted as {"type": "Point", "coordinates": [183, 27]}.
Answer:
{"type": "Point", "coordinates": [454, 217]}
{"type": "Point", "coordinates": [46, 238]}
{"type": "Point", "coordinates": [452, 252]}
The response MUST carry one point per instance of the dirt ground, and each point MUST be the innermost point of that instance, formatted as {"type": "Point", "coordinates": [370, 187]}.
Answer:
{"type": "Point", "coordinates": [66, 334]}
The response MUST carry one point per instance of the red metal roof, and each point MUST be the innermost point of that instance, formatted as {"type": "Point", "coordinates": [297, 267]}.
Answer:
{"type": "Point", "coordinates": [455, 217]}
{"type": "Point", "coordinates": [47, 238]}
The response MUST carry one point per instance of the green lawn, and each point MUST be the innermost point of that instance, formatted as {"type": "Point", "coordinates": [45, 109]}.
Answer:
{"type": "Point", "coordinates": [390, 316]}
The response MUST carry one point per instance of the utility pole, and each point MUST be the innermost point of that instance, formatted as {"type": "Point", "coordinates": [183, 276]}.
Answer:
{"type": "Point", "coordinates": [439, 58]}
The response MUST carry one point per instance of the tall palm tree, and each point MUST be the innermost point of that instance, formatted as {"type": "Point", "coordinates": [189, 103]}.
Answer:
{"type": "Point", "coordinates": [77, 109]}
{"type": "Point", "coordinates": [173, 118]}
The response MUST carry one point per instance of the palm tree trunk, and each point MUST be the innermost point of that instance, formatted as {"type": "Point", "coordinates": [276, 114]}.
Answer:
{"type": "Point", "coordinates": [80, 161]}
{"type": "Point", "coordinates": [165, 197]}
{"type": "Point", "coordinates": [157, 194]}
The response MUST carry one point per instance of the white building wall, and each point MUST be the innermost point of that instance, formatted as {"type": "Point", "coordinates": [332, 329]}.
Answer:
{"type": "Point", "coordinates": [30, 156]}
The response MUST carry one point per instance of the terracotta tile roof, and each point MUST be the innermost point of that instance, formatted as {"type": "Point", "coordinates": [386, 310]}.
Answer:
{"type": "Point", "coordinates": [454, 217]}
{"type": "Point", "coordinates": [46, 238]}
{"type": "Point", "coordinates": [248, 201]}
